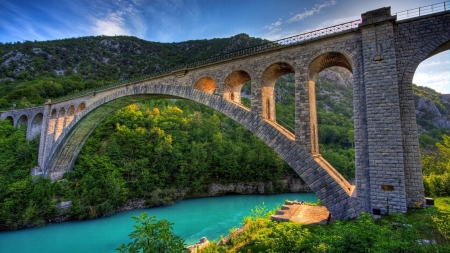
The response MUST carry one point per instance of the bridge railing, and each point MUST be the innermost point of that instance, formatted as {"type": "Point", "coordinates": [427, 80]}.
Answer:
{"type": "Point", "coordinates": [425, 10]}
{"type": "Point", "coordinates": [250, 50]}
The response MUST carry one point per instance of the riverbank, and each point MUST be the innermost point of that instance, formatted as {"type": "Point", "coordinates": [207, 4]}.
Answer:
{"type": "Point", "coordinates": [165, 197]}
{"type": "Point", "coordinates": [192, 219]}
{"type": "Point", "coordinates": [419, 230]}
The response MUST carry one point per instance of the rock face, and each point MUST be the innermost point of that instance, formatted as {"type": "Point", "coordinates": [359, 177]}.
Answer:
{"type": "Point", "coordinates": [427, 109]}
{"type": "Point", "coordinates": [338, 76]}
{"type": "Point", "coordinates": [290, 185]}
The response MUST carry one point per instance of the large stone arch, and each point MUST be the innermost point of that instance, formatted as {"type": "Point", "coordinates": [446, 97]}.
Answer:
{"type": "Point", "coordinates": [233, 85]}
{"type": "Point", "coordinates": [333, 193]}
{"type": "Point", "coordinates": [269, 78]}
{"type": "Point", "coordinates": [410, 142]}
{"type": "Point", "coordinates": [437, 45]}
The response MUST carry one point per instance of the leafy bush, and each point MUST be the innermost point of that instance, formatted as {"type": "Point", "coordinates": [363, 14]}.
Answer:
{"type": "Point", "coordinates": [153, 236]}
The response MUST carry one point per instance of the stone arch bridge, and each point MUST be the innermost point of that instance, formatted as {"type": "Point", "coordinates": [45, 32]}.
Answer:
{"type": "Point", "coordinates": [381, 52]}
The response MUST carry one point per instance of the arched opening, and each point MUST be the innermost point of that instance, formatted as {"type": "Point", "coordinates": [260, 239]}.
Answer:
{"type": "Point", "coordinates": [36, 126]}
{"type": "Point", "coordinates": [63, 157]}
{"type": "Point", "coordinates": [431, 88]}
{"type": "Point", "coordinates": [81, 108]}
{"type": "Point", "coordinates": [233, 86]}
{"type": "Point", "coordinates": [10, 120]}
{"type": "Point", "coordinates": [70, 115]}
{"type": "Point", "coordinates": [319, 64]}
{"type": "Point", "coordinates": [280, 75]}
{"type": "Point", "coordinates": [205, 84]}
{"type": "Point", "coordinates": [22, 121]}
{"type": "Point", "coordinates": [60, 122]}
{"type": "Point", "coordinates": [424, 126]}
{"type": "Point", "coordinates": [52, 123]}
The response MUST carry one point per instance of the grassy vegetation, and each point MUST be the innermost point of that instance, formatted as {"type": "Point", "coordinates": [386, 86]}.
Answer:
{"type": "Point", "coordinates": [420, 230]}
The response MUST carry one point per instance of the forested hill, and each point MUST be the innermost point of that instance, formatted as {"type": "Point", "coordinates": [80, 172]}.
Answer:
{"type": "Point", "coordinates": [33, 71]}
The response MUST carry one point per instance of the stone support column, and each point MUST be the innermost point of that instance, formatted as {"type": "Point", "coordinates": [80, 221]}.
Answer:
{"type": "Point", "coordinates": [43, 149]}
{"type": "Point", "coordinates": [361, 141]}
{"type": "Point", "coordinates": [302, 110]}
{"type": "Point", "coordinates": [256, 94]}
{"type": "Point", "coordinates": [411, 149]}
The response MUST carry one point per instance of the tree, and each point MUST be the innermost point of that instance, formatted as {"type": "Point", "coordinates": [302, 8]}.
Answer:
{"type": "Point", "coordinates": [153, 236]}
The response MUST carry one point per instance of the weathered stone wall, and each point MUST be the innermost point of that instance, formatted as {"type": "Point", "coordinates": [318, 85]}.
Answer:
{"type": "Point", "coordinates": [290, 185]}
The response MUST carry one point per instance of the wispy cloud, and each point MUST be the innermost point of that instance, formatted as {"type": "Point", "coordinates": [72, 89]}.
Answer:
{"type": "Point", "coordinates": [311, 12]}
{"type": "Point", "coordinates": [112, 24]}
{"type": "Point", "coordinates": [274, 28]}
{"type": "Point", "coordinates": [437, 81]}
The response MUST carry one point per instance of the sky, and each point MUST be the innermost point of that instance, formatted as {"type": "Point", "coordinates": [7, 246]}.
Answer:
{"type": "Point", "coordinates": [182, 20]}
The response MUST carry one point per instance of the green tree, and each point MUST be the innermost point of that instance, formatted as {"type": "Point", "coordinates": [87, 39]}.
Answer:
{"type": "Point", "coordinates": [153, 236]}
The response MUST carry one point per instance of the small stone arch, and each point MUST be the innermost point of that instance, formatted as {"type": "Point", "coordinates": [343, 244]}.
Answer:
{"type": "Point", "coordinates": [52, 122]}
{"type": "Point", "coordinates": [319, 63]}
{"type": "Point", "coordinates": [81, 108]}
{"type": "Point", "coordinates": [70, 115]}
{"type": "Point", "coordinates": [23, 120]}
{"type": "Point", "coordinates": [326, 60]}
{"type": "Point", "coordinates": [10, 119]}
{"type": "Point", "coordinates": [269, 78]}
{"type": "Point", "coordinates": [60, 122]}
{"type": "Point", "coordinates": [36, 126]}
{"type": "Point", "coordinates": [233, 85]}
{"type": "Point", "coordinates": [206, 84]}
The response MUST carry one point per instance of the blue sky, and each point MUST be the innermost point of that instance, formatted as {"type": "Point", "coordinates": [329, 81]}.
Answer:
{"type": "Point", "coordinates": [181, 20]}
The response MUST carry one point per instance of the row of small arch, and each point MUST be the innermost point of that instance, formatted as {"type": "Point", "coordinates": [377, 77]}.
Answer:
{"type": "Point", "coordinates": [59, 119]}
{"type": "Point", "coordinates": [237, 78]}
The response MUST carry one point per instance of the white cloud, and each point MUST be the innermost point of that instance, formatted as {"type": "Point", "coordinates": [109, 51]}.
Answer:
{"type": "Point", "coordinates": [311, 12]}
{"type": "Point", "coordinates": [113, 24]}
{"type": "Point", "coordinates": [440, 82]}
{"type": "Point", "coordinates": [274, 26]}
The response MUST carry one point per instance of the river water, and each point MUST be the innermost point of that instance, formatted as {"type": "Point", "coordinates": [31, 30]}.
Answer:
{"type": "Point", "coordinates": [192, 218]}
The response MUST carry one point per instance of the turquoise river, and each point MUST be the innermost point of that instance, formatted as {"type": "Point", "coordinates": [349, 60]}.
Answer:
{"type": "Point", "coordinates": [192, 218]}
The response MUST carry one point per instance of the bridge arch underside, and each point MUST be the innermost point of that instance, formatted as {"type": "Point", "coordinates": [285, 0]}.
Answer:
{"type": "Point", "coordinates": [233, 85]}
{"type": "Point", "coordinates": [337, 199]}
{"type": "Point", "coordinates": [270, 76]}
{"type": "Point", "coordinates": [324, 61]}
